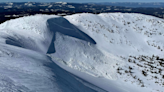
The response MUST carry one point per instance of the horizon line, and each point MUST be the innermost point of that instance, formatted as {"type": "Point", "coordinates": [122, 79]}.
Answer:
{"type": "Point", "coordinates": [73, 2]}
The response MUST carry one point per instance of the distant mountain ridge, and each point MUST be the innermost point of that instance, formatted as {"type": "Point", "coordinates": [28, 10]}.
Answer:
{"type": "Point", "coordinates": [135, 4]}
{"type": "Point", "coordinates": [12, 10]}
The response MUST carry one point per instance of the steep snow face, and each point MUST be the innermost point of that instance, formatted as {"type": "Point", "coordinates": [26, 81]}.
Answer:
{"type": "Point", "coordinates": [63, 26]}
{"type": "Point", "coordinates": [123, 34]}
{"type": "Point", "coordinates": [85, 57]}
{"type": "Point", "coordinates": [27, 32]}
{"type": "Point", "coordinates": [79, 51]}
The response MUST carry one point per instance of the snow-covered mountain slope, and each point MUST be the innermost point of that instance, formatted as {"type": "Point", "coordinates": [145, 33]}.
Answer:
{"type": "Point", "coordinates": [136, 38]}
{"type": "Point", "coordinates": [125, 34]}
{"type": "Point", "coordinates": [101, 52]}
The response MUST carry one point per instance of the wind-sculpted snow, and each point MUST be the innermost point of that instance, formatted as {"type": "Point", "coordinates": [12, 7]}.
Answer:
{"type": "Point", "coordinates": [30, 71]}
{"type": "Point", "coordinates": [85, 57]}
{"type": "Point", "coordinates": [24, 65]}
{"type": "Point", "coordinates": [78, 54]}
{"type": "Point", "coordinates": [112, 52]}
{"type": "Point", "coordinates": [27, 32]}
{"type": "Point", "coordinates": [63, 26]}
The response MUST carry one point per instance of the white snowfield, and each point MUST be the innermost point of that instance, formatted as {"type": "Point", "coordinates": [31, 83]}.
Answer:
{"type": "Point", "coordinates": [108, 52]}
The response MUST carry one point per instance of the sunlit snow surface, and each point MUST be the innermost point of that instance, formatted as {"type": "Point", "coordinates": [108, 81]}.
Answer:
{"type": "Point", "coordinates": [95, 52]}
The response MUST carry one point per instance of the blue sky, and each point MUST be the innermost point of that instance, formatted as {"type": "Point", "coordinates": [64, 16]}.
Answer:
{"type": "Point", "coordinates": [82, 0]}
